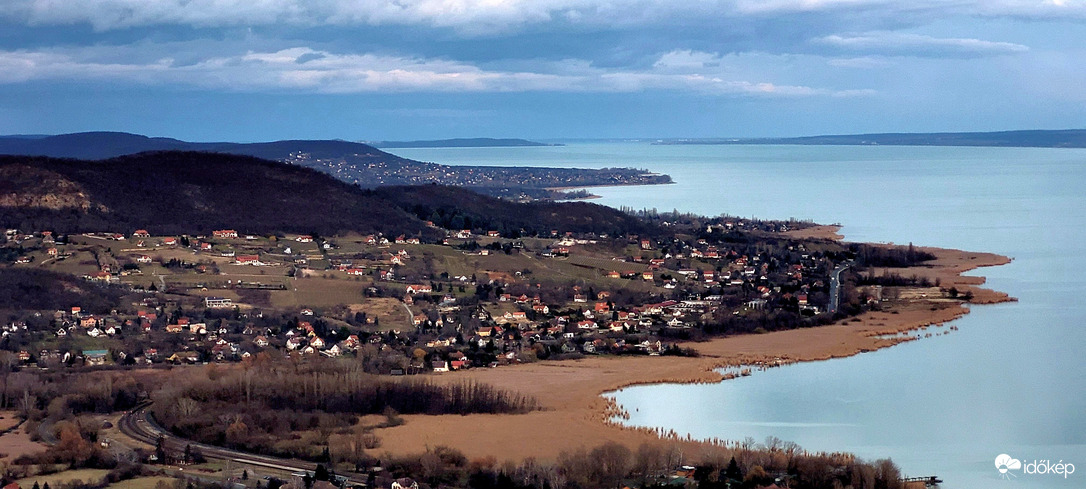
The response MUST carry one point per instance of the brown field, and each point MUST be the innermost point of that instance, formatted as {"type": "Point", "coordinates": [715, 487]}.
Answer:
{"type": "Point", "coordinates": [390, 312]}
{"type": "Point", "coordinates": [8, 419]}
{"type": "Point", "coordinates": [575, 414]}
{"type": "Point", "coordinates": [17, 443]}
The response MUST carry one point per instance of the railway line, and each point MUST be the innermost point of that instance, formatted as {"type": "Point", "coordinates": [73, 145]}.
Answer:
{"type": "Point", "coordinates": [139, 425]}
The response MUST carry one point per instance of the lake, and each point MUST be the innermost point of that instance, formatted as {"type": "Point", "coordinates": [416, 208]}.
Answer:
{"type": "Point", "coordinates": [1011, 380]}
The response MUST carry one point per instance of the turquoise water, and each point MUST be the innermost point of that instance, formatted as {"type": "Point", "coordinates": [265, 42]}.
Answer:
{"type": "Point", "coordinates": [1011, 380]}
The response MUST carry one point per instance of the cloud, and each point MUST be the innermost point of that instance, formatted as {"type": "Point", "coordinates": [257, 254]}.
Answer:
{"type": "Point", "coordinates": [487, 16]}
{"type": "Point", "coordinates": [306, 70]}
{"type": "Point", "coordinates": [900, 43]}
{"type": "Point", "coordinates": [687, 60]}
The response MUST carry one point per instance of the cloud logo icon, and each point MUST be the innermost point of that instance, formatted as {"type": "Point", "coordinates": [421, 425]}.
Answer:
{"type": "Point", "coordinates": [1005, 463]}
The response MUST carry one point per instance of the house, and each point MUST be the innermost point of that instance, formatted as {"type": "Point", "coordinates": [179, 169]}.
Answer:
{"type": "Point", "coordinates": [580, 298]}
{"type": "Point", "coordinates": [62, 332]}
{"type": "Point", "coordinates": [225, 234]}
{"type": "Point", "coordinates": [205, 246]}
{"type": "Point", "coordinates": [169, 241]}
{"type": "Point", "coordinates": [175, 328]}
{"type": "Point", "coordinates": [519, 316]}
{"type": "Point", "coordinates": [439, 366]}
{"type": "Point", "coordinates": [317, 342]}
{"type": "Point", "coordinates": [260, 341]}
{"type": "Point", "coordinates": [184, 357]}
{"type": "Point", "coordinates": [647, 275]}
{"type": "Point", "coordinates": [403, 483]}
{"type": "Point", "coordinates": [141, 233]}
{"type": "Point", "coordinates": [95, 357]}
{"type": "Point", "coordinates": [52, 252]}
{"type": "Point", "coordinates": [143, 259]}
{"type": "Point", "coordinates": [419, 289]}
{"type": "Point", "coordinates": [217, 302]}
{"type": "Point", "coordinates": [248, 260]}
{"type": "Point", "coordinates": [586, 324]}
{"type": "Point", "coordinates": [356, 271]}
{"type": "Point", "coordinates": [305, 238]}
{"type": "Point", "coordinates": [646, 244]}
{"type": "Point", "coordinates": [333, 352]}
{"type": "Point", "coordinates": [493, 234]}
{"type": "Point", "coordinates": [541, 309]}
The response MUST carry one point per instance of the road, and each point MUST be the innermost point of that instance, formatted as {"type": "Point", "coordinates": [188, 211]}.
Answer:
{"type": "Point", "coordinates": [835, 287]}
{"type": "Point", "coordinates": [139, 425]}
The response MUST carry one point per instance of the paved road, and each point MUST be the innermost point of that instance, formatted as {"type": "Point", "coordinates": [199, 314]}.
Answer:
{"type": "Point", "coordinates": [139, 425]}
{"type": "Point", "coordinates": [835, 287]}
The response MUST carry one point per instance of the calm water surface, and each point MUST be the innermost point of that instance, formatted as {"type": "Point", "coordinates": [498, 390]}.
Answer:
{"type": "Point", "coordinates": [1011, 380]}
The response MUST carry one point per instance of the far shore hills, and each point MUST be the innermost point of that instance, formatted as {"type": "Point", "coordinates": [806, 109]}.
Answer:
{"type": "Point", "coordinates": [1063, 138]}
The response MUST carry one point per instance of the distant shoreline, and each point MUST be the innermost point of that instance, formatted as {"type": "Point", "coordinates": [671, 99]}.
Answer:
{"type": "Point", "coordinates": [1064, 138]}
{"type": "Point", "coordinates": [461, 143]}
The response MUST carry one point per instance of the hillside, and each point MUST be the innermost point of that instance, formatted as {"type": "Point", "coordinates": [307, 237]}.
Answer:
{"type": "Point", "coordinates": [1068, 138]}
{"type": "Point", "coordinates": [187, 192]}
{"type": "Point", "coordinates": [173, 192]}
{"type": "Point", "coordinates": [353, 163]}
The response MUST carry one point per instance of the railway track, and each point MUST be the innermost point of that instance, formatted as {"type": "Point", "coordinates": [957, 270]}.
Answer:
{"type": "Point", "coordinates": [139, 425]}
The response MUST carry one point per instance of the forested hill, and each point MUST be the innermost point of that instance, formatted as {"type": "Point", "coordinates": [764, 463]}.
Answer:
{"type": "Point", "coordinates": [102, 145]}
{"type": "Point", "coordinates": [175, 192]}
{"type": "Point", "coordinates": [187, 192]}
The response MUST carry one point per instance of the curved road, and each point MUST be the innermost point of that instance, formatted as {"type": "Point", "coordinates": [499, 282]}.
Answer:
{"type": "Point", "coordinates": [835, 287]}
{"type": "Point", "coordinates": [138, 424]}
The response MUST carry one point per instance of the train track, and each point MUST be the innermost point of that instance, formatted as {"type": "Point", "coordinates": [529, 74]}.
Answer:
{"type": "Point", "coordinates": [139, 425]}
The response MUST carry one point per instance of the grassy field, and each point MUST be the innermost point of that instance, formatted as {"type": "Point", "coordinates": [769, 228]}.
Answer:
{"type": "Point", "coordinates": [86, 475]}
{"type": "Point", "coordinates": [142, 483]}
{"type": "Point", "coordinates": [320, 292]}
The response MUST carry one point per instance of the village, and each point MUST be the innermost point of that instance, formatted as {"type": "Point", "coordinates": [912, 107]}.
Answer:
{"type": "Point", "coordinates": [403, 307]}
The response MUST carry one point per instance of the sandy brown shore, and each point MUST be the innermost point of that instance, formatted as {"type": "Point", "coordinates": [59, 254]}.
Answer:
{"type": "Point", "coordinates": [575, 414]}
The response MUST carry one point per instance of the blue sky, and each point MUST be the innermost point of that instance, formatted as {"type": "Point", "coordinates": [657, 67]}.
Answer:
{"type": "Point", "coordinates": [254, 70]}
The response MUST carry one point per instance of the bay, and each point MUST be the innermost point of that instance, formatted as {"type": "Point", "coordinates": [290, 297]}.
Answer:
{"type": "Point", "coordinates": [1011, 380]}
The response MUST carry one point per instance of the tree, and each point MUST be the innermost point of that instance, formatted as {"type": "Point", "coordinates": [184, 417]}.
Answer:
{"type": "Point", "coordinates": [733, 471]}
{"type": "Point", "coordinates": [612, 463]}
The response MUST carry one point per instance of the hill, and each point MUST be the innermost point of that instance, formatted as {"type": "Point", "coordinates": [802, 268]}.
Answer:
{"type": "Point", "coordinates": [176, 192]}
{"type": "Point", "coordinates": [354, 163]}
{"type": "Point", "coordinates": [1067, 138]}
{"type": "Point", "coordinates": [187, 192]}
{"type": "Point", "coordinates": [460, 143]}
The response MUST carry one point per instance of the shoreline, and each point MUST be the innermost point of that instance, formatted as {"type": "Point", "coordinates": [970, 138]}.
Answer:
{"type": "Point", "coordinates": [594, 196]}
{"type": "Point", "coordinates": [577, 411]}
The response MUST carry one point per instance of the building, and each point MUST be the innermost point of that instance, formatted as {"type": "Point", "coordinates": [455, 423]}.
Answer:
{"type": "Point", "coordinates": [225, 234]}
{"type": "Point", "coordinates": [218, 302]}
{"type": "Point", "coordinates": [95, 357]}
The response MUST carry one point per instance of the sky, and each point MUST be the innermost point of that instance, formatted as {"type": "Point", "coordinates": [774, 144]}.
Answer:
{"type": "Point", "coordinates": [260, 70]}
